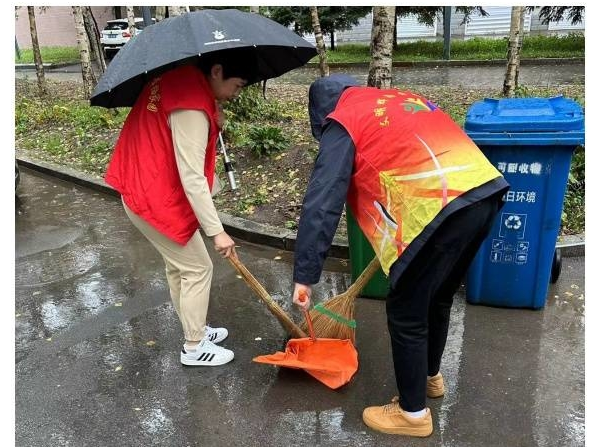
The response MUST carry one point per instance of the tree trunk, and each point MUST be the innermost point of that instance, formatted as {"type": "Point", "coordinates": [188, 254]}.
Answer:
{"type": "Point", "coordinates": [174, 11]}
{"type": "Point", "coordinates": [160, 13]}
{"type": "Point", "coordinates": [395, 18]}
{"type": "Point", "coordinates": [83, 44]}
{"type": "Point", "coordinates": [94, 39]}
{"type": "Point", "coordinates": [130, 15]}
{"type": "Point", "coordinates": [379, 73]}
{"type": "Point", "coordinates": [513, 50]}
{"type": "Point", "coordinates": [323, 66]}
{"type": "Point", "coordinates": [41, 78]}
{"type": "Point", "coordinates": [254, 9]}
{"type": "Point", "coordinates": [447, 10]}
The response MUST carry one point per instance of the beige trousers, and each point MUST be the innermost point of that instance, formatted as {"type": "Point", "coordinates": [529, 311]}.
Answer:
{"type": "Point", "coordinates": [189, 271]}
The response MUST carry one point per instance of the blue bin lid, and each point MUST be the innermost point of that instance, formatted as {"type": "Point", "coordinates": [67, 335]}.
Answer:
{"type": "Point", "coordinates": [556, 120]}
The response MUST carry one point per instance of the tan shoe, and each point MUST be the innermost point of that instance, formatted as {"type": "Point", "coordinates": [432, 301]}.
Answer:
{"type": "Point", "coordinates": [392, 419]}
{"type": "Point", "coordinates": [435, 387]}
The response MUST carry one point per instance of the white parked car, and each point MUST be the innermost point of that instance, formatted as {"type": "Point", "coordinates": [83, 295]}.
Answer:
{"type": "Point", "coordinates": [116, 34]}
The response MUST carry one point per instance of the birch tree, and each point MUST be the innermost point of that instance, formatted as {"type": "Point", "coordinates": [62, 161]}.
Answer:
{"type": "Point", "coordinates": [381, 46]}
{"type": "Point", "coordinates": [39, 71]}
{"type": "Point", "coordinates": [516, 30]}
{"type": "Point", "coordinates": [323, 66]}
{"type": "Point", "coordinates": [130, 15]}
{"type": "Point", "coordinates": [83, 44]}
{"type": "Point", "coordinates": [254, 9]}
{"type": "Point", "coordinates": [94, 38]}
{"type": "Point", "coordinates": [174, 11]}
{"type": "Point", "coordinates": [160, 13]}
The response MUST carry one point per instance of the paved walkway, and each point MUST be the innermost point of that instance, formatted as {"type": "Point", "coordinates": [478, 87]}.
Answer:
{"type": "Point", "coordinates": [97, 342]}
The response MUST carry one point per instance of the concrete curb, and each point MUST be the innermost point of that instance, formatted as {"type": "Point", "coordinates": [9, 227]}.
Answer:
{"type": "Point", "coordinates": [47, 66]}
{"type": "Point", "coordinates": [463, 63]}
{"type": "Point", "coordinates": [247, 230]}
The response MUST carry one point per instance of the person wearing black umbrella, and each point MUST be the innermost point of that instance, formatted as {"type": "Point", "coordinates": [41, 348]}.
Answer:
{"type": "Point", "coordinates": [424, 196]}
{"type": "Point", "coordinates": [164, 167]}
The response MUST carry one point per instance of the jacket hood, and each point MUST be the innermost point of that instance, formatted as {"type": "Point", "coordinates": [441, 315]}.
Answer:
{"type": "Point", "coordinates": [323, 96]}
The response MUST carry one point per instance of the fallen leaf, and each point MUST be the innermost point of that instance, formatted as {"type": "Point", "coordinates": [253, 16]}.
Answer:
{"type": "Point", "coordinates": [17, 315]}
{"type": "Point", "coordinates": [150, 343]}
{"type": "Point", "coordinates": [277, 258]}
{"type": "Point", "coordinates": [574, 286]}
{"type": "Point", "coordinates": [568, 293]}
{"type": "Point", "coordinates": [49, 339]}
{"type": "Point", "coordinates": [118, 305]}
{"type": "Point", "coordinates": [136, 409]}
{"type": "Point", "coordinates": [258, 339]}
{"type": "Point", "coordinates": [239, 276]}
{"type": "Point", "coordinates": [118, 368]}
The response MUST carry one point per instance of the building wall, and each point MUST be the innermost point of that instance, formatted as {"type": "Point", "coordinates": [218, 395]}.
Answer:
{"type": "Point", "coordinates": [55, 25]}
{"type": "Point", "coordinates": [495, 25]}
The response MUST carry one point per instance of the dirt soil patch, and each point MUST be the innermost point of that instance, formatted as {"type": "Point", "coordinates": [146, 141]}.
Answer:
{"type": "Point", "coordinates": [270, 188]}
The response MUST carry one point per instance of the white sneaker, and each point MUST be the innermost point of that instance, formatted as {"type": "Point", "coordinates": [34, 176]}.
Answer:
{"type": "Point", "coordinates": [216, 334]}
{"type": "Point", "coordinates": [205, 353]}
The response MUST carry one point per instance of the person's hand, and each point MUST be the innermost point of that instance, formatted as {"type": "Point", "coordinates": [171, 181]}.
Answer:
{"type": "Point", "coordinates": [306, 292]}
{"type": "Point", "coordinates": [224, 244]}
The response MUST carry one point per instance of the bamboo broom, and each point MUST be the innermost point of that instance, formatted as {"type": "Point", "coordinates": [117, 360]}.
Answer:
{"type": "Point", "coordinates": [292, 328]}
{"type": "Point", "coordinates": [335, 318]}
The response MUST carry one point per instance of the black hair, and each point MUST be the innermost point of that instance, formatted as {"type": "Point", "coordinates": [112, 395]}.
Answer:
{"type": "Point", "coordinates": [236, 63]}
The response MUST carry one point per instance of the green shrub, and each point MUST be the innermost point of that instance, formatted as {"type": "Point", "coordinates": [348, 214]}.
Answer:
{"type": "Point", "coordinates": [251, 105]}
{"type": "Point", "coordinates": [266, 140]}
{"type": "Point", "coordinates": [573, 218]}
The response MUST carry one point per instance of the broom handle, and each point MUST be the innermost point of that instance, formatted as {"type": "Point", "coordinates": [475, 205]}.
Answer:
{"type": "Point", "coordinates": [364, 277]}
{"type": "Point", "coordinates": [262, 293]}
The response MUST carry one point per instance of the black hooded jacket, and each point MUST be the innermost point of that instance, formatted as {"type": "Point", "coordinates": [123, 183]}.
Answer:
{"type": "Point", "coordinates": [327, 189]}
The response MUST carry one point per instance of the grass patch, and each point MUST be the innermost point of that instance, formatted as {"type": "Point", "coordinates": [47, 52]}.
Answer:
{"type": "Point", "coordinates": [477, 48]}
{"type": "Point", "coordinates": [50, 55]}
{"type": "Point", "coordinates": [572, 45]}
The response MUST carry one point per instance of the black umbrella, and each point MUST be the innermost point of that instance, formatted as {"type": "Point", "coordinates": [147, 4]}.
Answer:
{"type": "Point", "coordinates": [188, 38]}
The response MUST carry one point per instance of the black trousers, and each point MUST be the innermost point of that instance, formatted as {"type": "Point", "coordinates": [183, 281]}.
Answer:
{"type": "Point", "coordinates": [419, 301]}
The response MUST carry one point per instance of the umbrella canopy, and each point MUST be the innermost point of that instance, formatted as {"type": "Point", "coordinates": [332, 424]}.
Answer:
{"type": "Point", "coordinates": [193, 37]}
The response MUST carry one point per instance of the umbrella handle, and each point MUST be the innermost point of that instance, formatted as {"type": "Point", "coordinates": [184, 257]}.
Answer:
{"type": "Point", "coordinates": [227, 164]}
{"type": "Point", "coordinates": [311, 331]}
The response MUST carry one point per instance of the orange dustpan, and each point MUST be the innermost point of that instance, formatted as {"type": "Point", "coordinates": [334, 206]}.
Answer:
{"type": "Point", "coordinates": [329, 360]}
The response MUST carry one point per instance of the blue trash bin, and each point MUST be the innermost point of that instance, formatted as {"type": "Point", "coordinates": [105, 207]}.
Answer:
{"type": "Point", "coordinates": [530, 141]}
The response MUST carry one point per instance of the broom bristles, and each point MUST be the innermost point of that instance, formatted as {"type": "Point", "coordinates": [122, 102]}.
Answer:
{"type": "Point", "coordinates": [326, 327]}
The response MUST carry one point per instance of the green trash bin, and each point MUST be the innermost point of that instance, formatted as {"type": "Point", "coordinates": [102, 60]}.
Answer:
{"type": "Point", "coordinates": [361, 253]}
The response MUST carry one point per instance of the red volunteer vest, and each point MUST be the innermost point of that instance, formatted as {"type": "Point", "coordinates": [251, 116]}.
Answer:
{"type": "Point", "coordinates": [143, 166]}
{"type": "Point", "coordinates": [411, 160]}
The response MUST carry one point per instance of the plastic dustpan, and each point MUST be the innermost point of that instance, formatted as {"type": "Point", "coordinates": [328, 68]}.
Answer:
{"type": "Point", "coordinates": [331, 361]}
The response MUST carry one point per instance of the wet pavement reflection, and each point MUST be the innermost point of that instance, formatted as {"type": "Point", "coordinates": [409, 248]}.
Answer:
{"type": "Point", "coordinates": [97, 345]}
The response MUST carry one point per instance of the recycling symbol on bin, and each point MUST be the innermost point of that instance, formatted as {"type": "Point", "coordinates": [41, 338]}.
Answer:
{"type": "Point", "coordinates": [513, 222]}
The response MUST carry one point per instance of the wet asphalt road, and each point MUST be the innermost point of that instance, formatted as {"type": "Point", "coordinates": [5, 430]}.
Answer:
{"type": "Point", "coordinates": [478, 76]}
{"type": "Point", "coordinates": [97, 345]}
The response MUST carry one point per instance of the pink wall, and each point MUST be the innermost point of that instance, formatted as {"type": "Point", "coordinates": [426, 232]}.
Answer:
{"type": "Point", "coordinates": [55, 25]}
